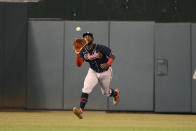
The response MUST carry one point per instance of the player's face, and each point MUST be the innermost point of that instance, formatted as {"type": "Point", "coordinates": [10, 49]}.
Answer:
{"type": "Point", "coordinates": [89, 39]}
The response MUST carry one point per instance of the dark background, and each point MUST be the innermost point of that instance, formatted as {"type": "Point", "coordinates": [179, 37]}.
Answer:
{"type": "Point", "coordinates": [137, 10]}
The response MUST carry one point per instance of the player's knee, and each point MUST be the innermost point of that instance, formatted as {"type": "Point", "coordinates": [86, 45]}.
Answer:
{"type": "Point", "coordinates": [87, 91]}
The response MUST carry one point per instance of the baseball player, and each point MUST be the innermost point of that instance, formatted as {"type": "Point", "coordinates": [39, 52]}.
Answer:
{"type": "Point", "coordinates": [100, 59]}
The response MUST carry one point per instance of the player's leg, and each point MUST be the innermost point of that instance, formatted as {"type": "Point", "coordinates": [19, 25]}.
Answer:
{"type": "Point", "coordinates": [89, 83]}
{"type": "Point", "coordinates": [105, 80]}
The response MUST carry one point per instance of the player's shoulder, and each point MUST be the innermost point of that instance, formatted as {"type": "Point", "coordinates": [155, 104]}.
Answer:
{"type": "Point", "coordinates": [101, 46]}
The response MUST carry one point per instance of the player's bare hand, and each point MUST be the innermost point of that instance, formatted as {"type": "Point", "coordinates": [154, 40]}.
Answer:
{"type": "Point", "coordinates": [104, 66]}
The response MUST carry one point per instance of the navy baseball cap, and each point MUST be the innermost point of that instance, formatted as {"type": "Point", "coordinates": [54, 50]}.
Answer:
{"type": "Point", "coordinates": [88, 33]}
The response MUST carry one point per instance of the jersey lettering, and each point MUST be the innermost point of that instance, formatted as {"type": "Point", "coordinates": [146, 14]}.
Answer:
{"type": "Point", "coordinates": [94, 56]}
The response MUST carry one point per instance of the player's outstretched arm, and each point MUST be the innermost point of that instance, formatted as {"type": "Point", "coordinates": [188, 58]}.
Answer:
{"type": "Point", "coordinates": [79, 61]}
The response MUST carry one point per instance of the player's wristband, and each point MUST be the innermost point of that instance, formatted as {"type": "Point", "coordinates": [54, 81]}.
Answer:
{"type": "Point", "coordinates": [110, 60]}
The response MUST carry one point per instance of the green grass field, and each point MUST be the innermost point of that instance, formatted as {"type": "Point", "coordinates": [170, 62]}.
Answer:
{"type": "Point", "coordinates": [94, 121]}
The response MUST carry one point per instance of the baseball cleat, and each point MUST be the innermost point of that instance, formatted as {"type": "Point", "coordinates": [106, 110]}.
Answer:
{"type": "Point", "coordinates": [116, 98]}
{"type": "Point", "coordinates": [78, 112]}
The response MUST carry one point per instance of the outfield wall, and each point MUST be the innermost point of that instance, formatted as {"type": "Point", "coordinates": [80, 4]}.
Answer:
{"type": "Point", "coordinates": [153, 67]}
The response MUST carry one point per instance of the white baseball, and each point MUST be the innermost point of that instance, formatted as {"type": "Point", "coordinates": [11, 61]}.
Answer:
{"type": "Point", "coordinates": [78, 28]}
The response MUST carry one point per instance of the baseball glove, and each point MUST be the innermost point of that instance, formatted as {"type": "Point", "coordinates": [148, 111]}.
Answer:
{"type": "Point", "coordinates": [78, 44]}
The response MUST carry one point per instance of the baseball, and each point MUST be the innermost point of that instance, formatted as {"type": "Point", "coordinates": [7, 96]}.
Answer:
{"type": "Point", "coordinates": [78, 28]}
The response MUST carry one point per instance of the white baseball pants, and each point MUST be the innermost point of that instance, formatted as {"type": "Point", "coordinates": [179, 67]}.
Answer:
{"type": "Point", "coordinates": [103, 78]}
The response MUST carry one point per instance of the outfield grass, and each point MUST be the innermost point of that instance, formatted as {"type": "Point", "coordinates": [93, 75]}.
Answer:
{"type": "Point", "coordinates": [94, 121]}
